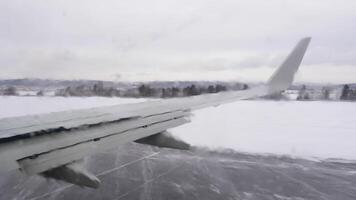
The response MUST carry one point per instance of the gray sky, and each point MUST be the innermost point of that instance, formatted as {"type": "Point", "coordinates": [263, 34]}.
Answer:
{"type": "Point", "coordinates": [175, 40]}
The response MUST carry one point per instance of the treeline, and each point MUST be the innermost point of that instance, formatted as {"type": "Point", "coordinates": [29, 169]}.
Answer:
{"type": "Point", "coordinates": [348, 94]}
{"type": "Point", "coordinates": [345, 92]}
{"type": "Point", "coordinates": [13, 91]}
{"type": "Point", "coordinates": [191, 90]}
{"type": "Point", "coordinates": [144, 90]}
{"type": "Point", "coordinates": [97, 89]}
{"type": "Point", "coordinates": [306, 94]}
{"type": "Point", "coordinates": [9, 91]}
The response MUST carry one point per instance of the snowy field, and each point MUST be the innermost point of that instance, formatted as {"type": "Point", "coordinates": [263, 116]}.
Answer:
{"type": "Point", "coordinates": [298, 128]}
{"type": "Point", "coordinates": [301, 129]}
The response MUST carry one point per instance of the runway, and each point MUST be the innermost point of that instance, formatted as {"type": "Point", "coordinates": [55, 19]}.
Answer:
{"type": "Point", "coordinates": [136, 171]}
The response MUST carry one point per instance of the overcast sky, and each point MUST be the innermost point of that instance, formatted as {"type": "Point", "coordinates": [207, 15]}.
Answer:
{"type": "Point", "coordinates": [175, 40]}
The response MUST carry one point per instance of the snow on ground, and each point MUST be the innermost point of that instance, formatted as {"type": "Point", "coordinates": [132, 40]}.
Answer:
{"type": "Point", "coordinates": [297, 128]}
{"type": "Point", "coordinates": [302, 129]}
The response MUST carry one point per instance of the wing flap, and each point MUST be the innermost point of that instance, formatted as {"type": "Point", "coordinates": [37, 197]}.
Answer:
{"type": "Point", "coordinates": [165, 140]}
{"type": "Point", "coordinates": [73, 173]}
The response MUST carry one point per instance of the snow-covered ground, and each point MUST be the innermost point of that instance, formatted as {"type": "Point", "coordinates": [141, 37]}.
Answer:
{"type": "Point", "coordinates": [302, 129]}
{"type": "Point", "coordinates": [298, 128]}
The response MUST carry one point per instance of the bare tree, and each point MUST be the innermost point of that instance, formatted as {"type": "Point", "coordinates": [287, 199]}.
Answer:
{"type": "Point", "coordinates": [325, 93]}
{"type": "Point", "coordinates": [40, 93]}
{"type": "Point", "coordinates": [10, 91]}
{"type": "Point", "coordinates": [345, 92]}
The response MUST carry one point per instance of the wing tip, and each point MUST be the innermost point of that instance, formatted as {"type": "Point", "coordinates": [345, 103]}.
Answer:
{"type": "Point", "coordinates": [306, 40]}
{"type": "Point", "coordinates": [284, 75]}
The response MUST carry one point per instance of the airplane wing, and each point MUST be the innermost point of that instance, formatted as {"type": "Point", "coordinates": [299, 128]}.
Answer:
{"type": "Point", "coordinates": [53, 144]}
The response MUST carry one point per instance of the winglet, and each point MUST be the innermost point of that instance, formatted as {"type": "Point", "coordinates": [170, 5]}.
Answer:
{"type": "Point", "coordinates": [284, 76]}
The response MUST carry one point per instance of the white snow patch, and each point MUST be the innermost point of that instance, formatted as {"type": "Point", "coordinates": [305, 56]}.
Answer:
{"type": "Point", "coordinates": [287, 198]}
{"type": "Point", "coordinates": [300, 129]}
{"type": "Point", "coordinates": [215, 189]}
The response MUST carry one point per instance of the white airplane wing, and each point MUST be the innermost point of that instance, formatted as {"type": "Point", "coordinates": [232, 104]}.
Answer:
{"type": "Point", "coordinates": [53, 144]}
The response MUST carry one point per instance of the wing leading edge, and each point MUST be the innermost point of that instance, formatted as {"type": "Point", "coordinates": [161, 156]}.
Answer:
{"type": "Point", "coordinates": [52, 144]}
